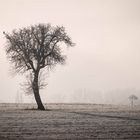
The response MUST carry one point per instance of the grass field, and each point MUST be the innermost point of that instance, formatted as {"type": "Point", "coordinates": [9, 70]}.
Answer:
{"type": "Point", "coordinates": [69, 121]}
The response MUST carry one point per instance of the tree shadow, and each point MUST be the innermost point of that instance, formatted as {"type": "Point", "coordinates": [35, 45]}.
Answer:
{"type": "Point", "coordinates": [106, 116]}
{"type": "Point", "coordinates": [98, 115]}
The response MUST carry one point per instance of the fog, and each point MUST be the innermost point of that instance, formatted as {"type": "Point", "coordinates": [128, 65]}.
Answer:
{"type": "Point", "coordinates": [103, 67]}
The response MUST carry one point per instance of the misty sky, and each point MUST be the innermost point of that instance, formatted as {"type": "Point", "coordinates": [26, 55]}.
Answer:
{"type": "Point", "coordinates": [103, 67]}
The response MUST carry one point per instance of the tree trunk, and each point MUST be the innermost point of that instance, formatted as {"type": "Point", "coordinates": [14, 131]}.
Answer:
{"type": "Point", "coordinates": [36, 91]}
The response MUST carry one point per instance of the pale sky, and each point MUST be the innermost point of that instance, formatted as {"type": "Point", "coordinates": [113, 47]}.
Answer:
{"type": "Point", "coordinates": [103, 67]}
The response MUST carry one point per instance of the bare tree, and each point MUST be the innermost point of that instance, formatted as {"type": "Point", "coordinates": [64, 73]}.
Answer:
{"type": "Point", "coordinates": [132, 98]}
{"type": "Point", "coordinates": [19, 98]}
{"type": "Point", "coordinates": [35, 48]}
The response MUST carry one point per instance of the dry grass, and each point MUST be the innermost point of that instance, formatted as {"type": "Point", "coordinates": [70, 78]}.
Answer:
{"type": "Point", "coordinates": [69, 121]}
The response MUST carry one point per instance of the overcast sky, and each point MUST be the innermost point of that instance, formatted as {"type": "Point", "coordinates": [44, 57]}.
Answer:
{"type": "Point", "coordinates": [104, 64]}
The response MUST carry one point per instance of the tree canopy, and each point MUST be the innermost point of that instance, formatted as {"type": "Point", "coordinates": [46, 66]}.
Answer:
{"type": "Point", "coordinates": [36, 47]}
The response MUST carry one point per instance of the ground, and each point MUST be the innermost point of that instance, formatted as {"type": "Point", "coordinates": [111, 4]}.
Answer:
{"type": "Point", "coordinates": [69, 121]}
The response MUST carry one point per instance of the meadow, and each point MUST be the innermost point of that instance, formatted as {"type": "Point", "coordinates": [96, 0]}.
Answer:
{"type": "Point", "coordinates": [69, 121]}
